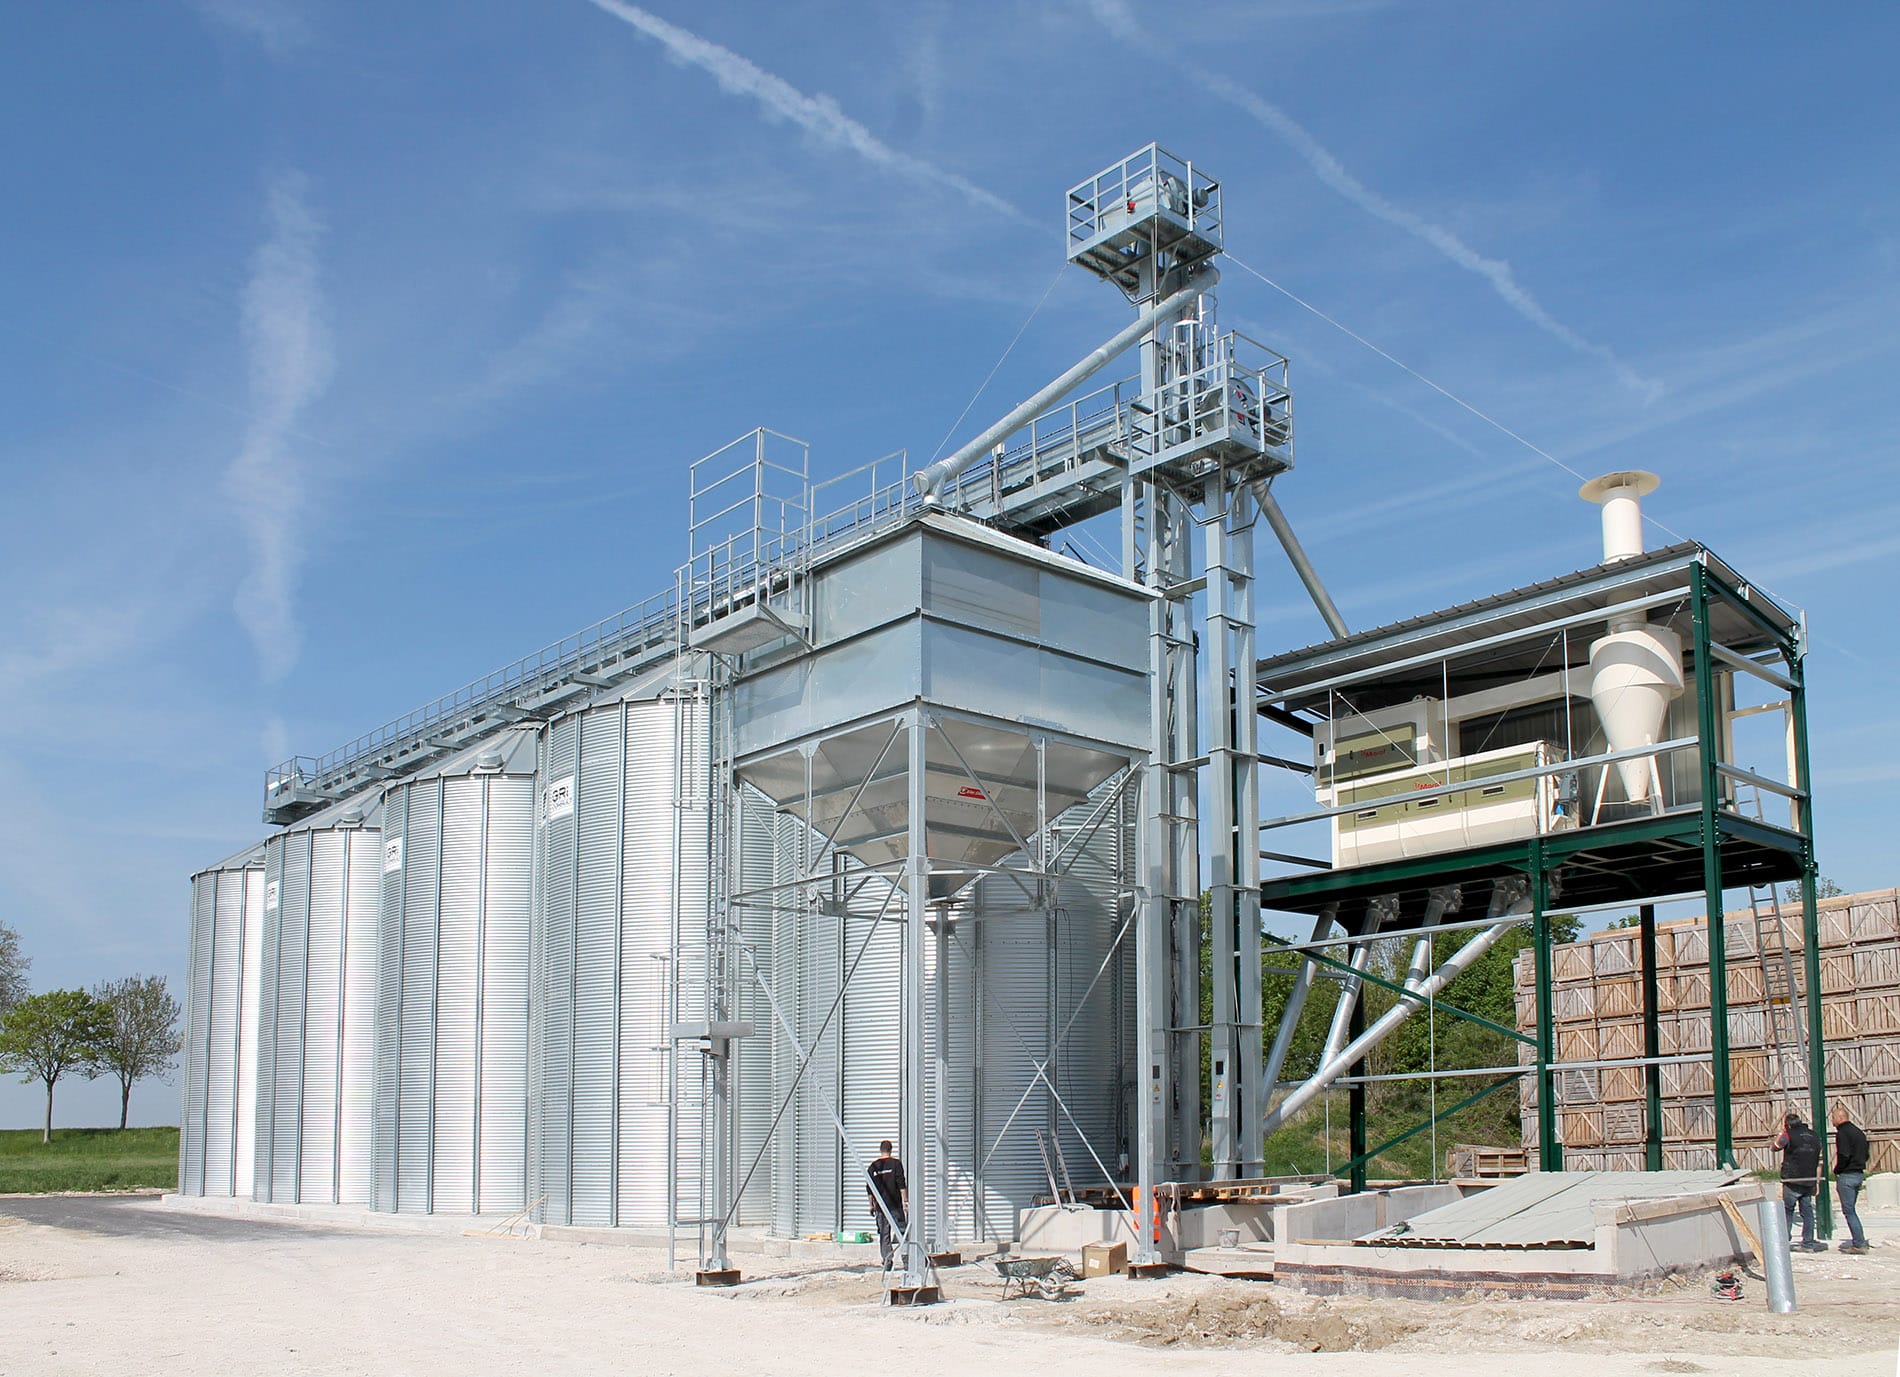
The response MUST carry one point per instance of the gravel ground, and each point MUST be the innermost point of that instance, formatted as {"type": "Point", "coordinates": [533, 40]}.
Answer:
{"type": "Point", "coordinates": [90, 1284]}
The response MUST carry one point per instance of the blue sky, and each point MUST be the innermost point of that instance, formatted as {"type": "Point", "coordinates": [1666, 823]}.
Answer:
{"type": "Point", "coordinates": [352, 350]}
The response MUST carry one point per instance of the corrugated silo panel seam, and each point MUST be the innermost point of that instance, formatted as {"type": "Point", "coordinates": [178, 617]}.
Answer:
{"type": "Point", "coordinates": [362, 937]}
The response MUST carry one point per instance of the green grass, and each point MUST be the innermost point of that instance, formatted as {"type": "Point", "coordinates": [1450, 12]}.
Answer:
{"type": "Point", "coordinates": [1300, 1147]}
{"type": "Point", "coordinates": [88, 1159]}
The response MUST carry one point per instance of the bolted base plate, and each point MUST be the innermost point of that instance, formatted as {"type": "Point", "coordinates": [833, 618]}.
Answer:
{"type": "Point", "coordinates": [729, 1277]}
{"type": "Point", "coordinates": [1143, 1270]}
{"type": "Point", "coordinates": [915, 1295]}
{"type": "Point", "coordinates": [943, 1260]}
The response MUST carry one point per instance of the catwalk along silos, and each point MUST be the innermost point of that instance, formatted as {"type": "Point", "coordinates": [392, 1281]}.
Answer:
{"type": "Point", "coordinates": [451, 1030]}
{"type": "Point", "coordinates": [317, 1004]}
{"type": "Point", "coordinates": [217, 1136]}
{"type": "Point", "coordinates": [623, 838]}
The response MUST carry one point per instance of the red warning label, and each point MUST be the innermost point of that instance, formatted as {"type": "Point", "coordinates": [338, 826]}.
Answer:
{"type": "Point", "coordinates": [970, 791]}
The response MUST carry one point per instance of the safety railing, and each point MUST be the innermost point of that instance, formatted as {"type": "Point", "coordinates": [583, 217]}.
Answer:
{"type": "Point", "coordinates": [1150, 182]}
{"type": "Point", "coordinates": [1233, 390]}
{"type": "Point", "coordinates": [646, 625]}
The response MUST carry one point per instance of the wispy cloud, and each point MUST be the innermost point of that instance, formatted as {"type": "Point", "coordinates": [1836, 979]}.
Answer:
{"type": "Point", "coordinates": [1118, 17]}
{"type": "Point", "coordinates": [819, 116]}
{"type": "Point", "coordinates": [279, 25]}
{"type": "Point", "coordinates": [288, 346]}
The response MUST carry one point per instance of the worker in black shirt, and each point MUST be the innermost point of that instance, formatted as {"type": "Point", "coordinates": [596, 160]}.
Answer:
{"type": "Point", "coordinates": [1850, 1172]}
{"type": "Point", "coordinates": [1800, 1175]}
{"type": "Point", "coordinates": [889, 1196]}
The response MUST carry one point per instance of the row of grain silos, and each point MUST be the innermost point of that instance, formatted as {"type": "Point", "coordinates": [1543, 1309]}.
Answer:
{"type": "Point", "coordinates": [450, 994]}
{"type": "Point", "coordinates": [358, 1019]}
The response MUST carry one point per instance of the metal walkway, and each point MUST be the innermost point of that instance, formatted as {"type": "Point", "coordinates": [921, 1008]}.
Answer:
{"type": "Point", "coordinates": [1064, 467]}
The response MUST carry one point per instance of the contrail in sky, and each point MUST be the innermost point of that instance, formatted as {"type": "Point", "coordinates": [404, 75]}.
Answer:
{"type": "Point", "coordinates": [288, 352]}
{"type": "Point", "coordinates": [819, 115]}
{"type": "Point", "coordinates": [1118, 18]}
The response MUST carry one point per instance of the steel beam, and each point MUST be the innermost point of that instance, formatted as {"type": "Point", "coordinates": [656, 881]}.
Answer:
{"type": "Point", "coordinates": [1811, 936]}
{"type": "Point", "coordinates": [917, 899]}
{"type": "Point", "coordinates": [1709, 736]}
{"type": "Point", "coordinates": [1550, 1151]}
{"type": "Point", "coordinates": [1652, 1045]}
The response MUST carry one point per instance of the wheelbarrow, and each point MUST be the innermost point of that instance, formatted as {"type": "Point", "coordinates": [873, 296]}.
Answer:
{"type": "Point", "coordinates": [1048, 1277]}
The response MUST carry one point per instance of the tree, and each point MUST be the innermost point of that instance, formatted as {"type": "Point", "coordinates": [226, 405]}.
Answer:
{"type": "Point", "coordinates": [143, 1039]}
{"type": "Point", "coordinates": [47, 1035]}
{"type": "Point", "coordinates": [13, 966]}
{"type": "Point", "coordinates": [1824, 888]}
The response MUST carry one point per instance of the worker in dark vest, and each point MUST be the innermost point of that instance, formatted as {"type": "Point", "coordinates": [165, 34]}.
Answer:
{"type": "Point", "coordinates": [1850, 1174]}
{"type": "Point", "coordinates": [889, 1196]}
{"type": "Point", "coordinates": [1800, 1177]}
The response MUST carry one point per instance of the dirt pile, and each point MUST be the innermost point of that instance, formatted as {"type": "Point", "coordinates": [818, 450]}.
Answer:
{"type": "Point", "coordinates": [1220, 1321]}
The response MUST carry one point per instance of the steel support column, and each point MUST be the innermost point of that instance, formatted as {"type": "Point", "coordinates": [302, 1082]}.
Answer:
{"type": "Point", "coordinates": [1550, 1152]}
{"type": "Point", "coordinates": [917, 898]}
{"type": "Point", "coordinates": [1652, 1046]}
{"type": "Point", "coordinates": [1244, 714]}
{"type": "Point", "coordinates": [1356, 1107]}
{"type": "Point", "coordinates": [1810, 932]}
{"type": "Point", "coordinates": [1233, 1073]}
{"type": "Point", "coordinates": [1171, 818]}
{"type": "Point", "coordinates": [1707, 732]}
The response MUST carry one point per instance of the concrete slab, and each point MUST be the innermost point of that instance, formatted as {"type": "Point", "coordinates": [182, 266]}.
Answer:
{"type": "Point", "coordinates": [1632, 1238]}
{"type": "Point", "coordinates": [1254, 1261]}
{"type": "Point", "coordinates": [1546, 1209]}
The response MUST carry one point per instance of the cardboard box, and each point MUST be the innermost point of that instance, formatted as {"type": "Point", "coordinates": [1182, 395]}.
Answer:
{"type": "Point", "coordinates": [1104, 1259]}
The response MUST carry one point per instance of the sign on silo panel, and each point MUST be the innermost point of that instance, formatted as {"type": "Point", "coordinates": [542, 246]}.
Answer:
{"type": "Point", "coordinates": [560, 800]}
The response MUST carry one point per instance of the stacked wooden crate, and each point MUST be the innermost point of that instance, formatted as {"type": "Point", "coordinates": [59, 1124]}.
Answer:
{"type": "Point", "coordinates": [1474, 1162]}
{"type": "Point", "coordinates": [1597, 1007]}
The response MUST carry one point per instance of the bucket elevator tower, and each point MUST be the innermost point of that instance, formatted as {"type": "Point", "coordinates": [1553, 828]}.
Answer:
{"type": "Point", "coordinates": [925, 697]}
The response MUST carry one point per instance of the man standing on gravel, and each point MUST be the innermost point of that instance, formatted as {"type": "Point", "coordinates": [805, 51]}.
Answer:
{"type": "Point", "coordinates": [1800, 1173]}
{"type": "Point", "coordinates": [1850, 1173]}
{"type": "Point", "coordinates": [889, 1195]}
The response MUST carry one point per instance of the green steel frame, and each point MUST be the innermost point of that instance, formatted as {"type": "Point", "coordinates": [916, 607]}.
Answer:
{"type": "Point", "coordinates": [1708, 849]}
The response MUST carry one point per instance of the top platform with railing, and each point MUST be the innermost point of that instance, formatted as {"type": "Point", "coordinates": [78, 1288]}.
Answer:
{"type": "Point", "coordinates": [1151, 209]}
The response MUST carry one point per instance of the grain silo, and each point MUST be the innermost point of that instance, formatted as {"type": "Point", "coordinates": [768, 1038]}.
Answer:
{"type": "Point", "coordinates": [451, 1030]}
{"type": "Point", "coordinates": [317, 1006]}
{"type": "Point", "coordinates": [218, 1129]}
{"type": "Point", "coordinates": [623, 842]}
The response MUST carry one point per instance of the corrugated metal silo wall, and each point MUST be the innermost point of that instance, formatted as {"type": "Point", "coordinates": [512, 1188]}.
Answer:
{"type": "Point", "coordinates": [220, 1054]}
{"type": "Point", "coordinates": [451, 1037]}
{"type": "Point", "coordinates": [1017, 976]}
{"type": "Point", "coordinates": [316, 1005]}
{"type": "Point", "coordinates": [855, 1052]}
{"type": "Point", "coordinates": [752, 1066]}
{"type": "Point", "coordinates": [616, 809]}
{"type": "Point", "coordinates": [244, 1148]}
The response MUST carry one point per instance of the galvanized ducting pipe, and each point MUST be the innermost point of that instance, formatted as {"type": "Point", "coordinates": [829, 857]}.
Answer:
{"type": "Point", "coordinates": [1380, 911]}
{"type": "Point", "coordinates": [1296, 555]}
{"type": "Point", "coordinates": [1508, 901]}
{"type": "Point", "coordinates": [1295, 1004]}
{"type": "Point", "coordinates": [1341, 1027]}
{"type": "Point", "coordinates": [930, 481]}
